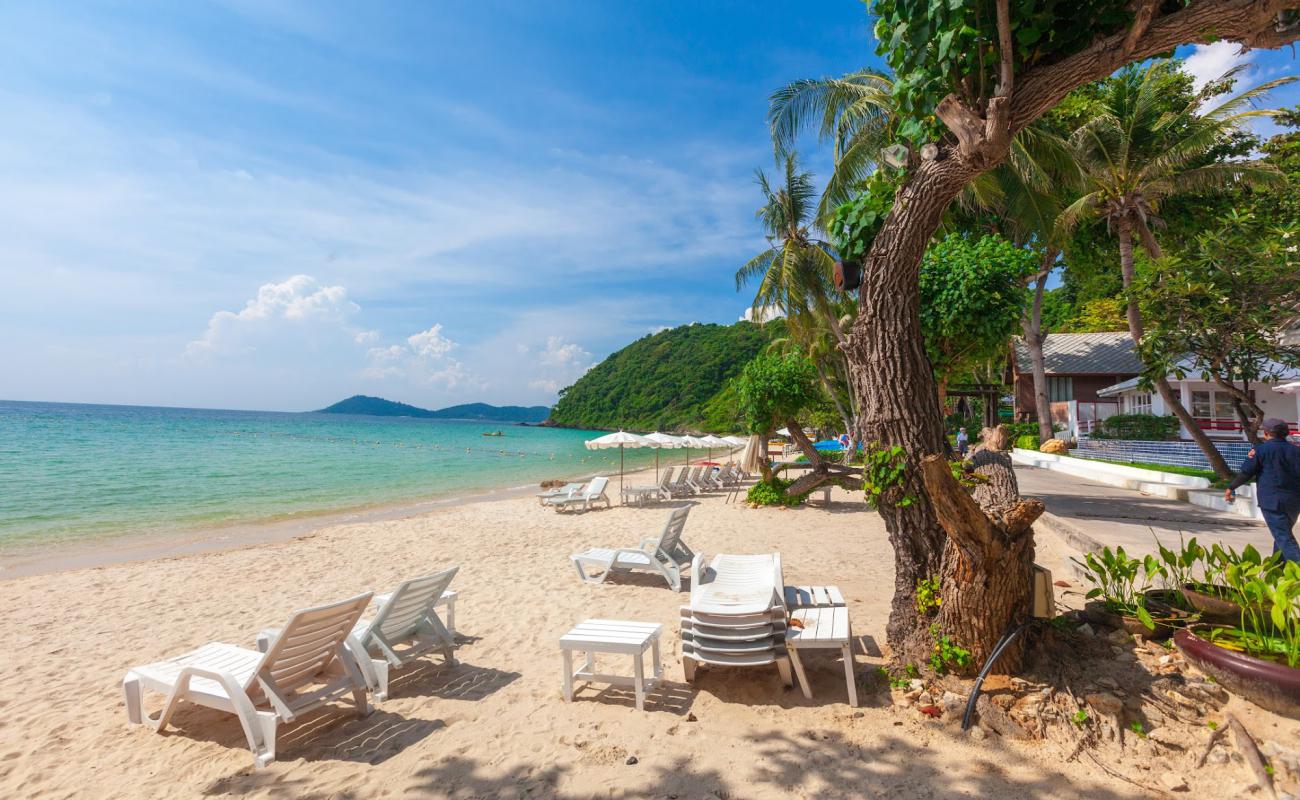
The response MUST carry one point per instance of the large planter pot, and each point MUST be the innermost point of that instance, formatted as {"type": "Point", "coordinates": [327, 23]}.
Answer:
{"type": "Point", "coordinates": [1267, 684]}
{"type": "Point", "coordinates": [1211, 607]}
{"type": "Point", "coordinates": [1171, 606]}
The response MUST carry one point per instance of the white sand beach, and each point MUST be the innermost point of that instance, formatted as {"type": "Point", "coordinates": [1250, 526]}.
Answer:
{"type": "Point", "coordinates": [495, 725]}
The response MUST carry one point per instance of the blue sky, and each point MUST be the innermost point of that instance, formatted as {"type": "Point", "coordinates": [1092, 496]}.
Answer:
{"type": "Point", "coordinates": [249, 204]}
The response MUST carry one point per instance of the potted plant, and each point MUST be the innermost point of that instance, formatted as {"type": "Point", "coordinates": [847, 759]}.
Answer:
{"type": "Point", "coordinates": [1259, 659]}
{"type": "Point", "coordinates": [1114, 575]}
{"type": "Point", "coordinates": [1211, 596]}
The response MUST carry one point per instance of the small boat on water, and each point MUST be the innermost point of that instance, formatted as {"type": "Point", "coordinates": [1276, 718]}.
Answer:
{"type": "Point", "coordinates": [493, 433]}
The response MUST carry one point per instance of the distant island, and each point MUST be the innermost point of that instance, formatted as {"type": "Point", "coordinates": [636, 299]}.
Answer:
{"type": "Point", "coordinates": [379, 407]}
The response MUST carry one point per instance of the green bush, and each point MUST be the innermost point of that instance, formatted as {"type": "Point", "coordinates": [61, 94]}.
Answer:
{"type": "Point", "coordinates": [1137, 427]}
{"type": "Point", "coordinates": [1017, 429]}
{"type": "Point", "coordinates": [1028, 441]}
{"type": "Point", "coordinates": [773, 493]}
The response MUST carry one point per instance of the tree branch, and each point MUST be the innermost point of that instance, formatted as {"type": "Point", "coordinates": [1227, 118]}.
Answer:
{"type": "Point", "coordinates": [1006, 73]}
{"type": "Point", "coordinates": [959, 515]}
{"type": "Point", "coordinates": [1141, 20]}
{"type": "Point", "coordinates": [1251, 23]}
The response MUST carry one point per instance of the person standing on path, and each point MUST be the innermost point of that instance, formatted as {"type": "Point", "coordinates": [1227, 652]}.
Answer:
{"type": "Point", "coordinates": [963, 441]}
{"type": "Point", "coordinates": [1274, 465]}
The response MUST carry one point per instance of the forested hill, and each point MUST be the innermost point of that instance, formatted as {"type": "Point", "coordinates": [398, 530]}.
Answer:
{"type": "Point", "coordinates": [379, 407]}
{"type": "Point", "coordinates": [671, 380]}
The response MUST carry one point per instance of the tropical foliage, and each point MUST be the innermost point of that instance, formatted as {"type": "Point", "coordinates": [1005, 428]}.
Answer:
{"type": "Point", "coordinates": [672, 380]}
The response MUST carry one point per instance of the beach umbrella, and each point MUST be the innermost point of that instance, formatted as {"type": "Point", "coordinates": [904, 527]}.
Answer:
{"type": "Point", "coordinates": [712, 442]}
{"type": "Point", "coordinates": [664, 440]}
{"type": "Point", "coordinates": [689, 441]}
{"type": "Point", "coordinates": [734, 442]}
{"type": "Point", "coordinates": [620, 440]}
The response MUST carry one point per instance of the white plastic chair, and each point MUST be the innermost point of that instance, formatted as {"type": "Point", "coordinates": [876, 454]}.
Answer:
{"type": "Point", "coordinates": [262, 689]}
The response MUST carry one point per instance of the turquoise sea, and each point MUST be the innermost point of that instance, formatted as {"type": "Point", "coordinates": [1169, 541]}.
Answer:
{"type": "Point", "coordinates": [71, 472]}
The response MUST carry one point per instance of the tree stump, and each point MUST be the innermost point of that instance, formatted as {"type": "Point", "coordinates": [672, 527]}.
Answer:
{"type": "Point", "coordinates": [987, 568]}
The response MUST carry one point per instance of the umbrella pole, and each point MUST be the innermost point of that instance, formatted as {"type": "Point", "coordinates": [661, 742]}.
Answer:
{"type": "Point", "coordinates": [620, 470]}
{"type": "Point", "coordinates": [656, 465]}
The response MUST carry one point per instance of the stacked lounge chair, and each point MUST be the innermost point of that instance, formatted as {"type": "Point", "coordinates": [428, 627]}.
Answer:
{"type": "Point", "coordinates": [737, 614]}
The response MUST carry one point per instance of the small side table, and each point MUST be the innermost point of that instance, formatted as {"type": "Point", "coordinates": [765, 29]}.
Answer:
{"type": "Point", "coordinates": [613, 636]}
{"type": "Point", "coordinates": [822, 628]}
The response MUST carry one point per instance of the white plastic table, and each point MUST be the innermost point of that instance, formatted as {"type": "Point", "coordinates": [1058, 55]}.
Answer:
{"type": "Point", "coordinates": [618, 637]}
{"type": "Point", "coordinates": [825, 627]}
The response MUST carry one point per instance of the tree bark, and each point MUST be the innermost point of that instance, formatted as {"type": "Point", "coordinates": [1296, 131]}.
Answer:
{"type": "Point", "coordinates": [894, 383]}
{"type": "Point", "coordinates": [1034, 338]}
{"type": "Point", "coordinates": [988, 559]}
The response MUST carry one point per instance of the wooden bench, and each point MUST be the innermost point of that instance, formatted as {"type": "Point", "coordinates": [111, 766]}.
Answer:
{"type": "Point", "coordinates": [618, 637]}
{"type": "Point", "coordinates": [819, 619]}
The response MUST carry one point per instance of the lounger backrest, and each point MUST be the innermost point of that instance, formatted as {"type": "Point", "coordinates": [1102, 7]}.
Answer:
{"type": "Point", "coordinates": [668, 478]}
{"type": "Point", "coordinates": [309, 643]}
{"type": "Point", "coordinates": [670, 541]}
{"type": "Point", "coordinates": [409, 605]}
{"type": "Point", "coordinates": [596, 488]}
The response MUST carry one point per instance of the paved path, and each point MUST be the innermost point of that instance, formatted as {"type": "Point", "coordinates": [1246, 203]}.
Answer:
{"type": "Point", "coordinates": [1088, 515]}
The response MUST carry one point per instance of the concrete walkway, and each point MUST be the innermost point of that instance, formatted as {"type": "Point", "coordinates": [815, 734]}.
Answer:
{"type": "Point", "coordinates": [1090, 515]}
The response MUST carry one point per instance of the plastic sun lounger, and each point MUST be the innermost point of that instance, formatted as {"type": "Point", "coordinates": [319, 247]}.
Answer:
{"type": "Point", "coordinates": [664, 554]}
{"type": "Point", "coordinates": [567, 490]}
{"type": "Point", "coordinates": [261, 689]}
{"type": "Point", "coordinates": [594, 492]}
{"type": "Point", "coordinates": [408, 619]}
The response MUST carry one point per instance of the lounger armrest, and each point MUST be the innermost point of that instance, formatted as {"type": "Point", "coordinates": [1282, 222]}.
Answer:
{"type": "Point", "coordinates": [234, 689]}
{"type": "Point", "coordinates": [652, 541]}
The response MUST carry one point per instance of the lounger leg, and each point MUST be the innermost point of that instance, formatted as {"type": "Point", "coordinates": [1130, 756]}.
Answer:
{"type": "Point", "coordinates": [688, 666]}
{"type": "Point", "coordinates": [783, 667]}
{"type": "Point", "coordinates": [568, 674]}
{"type": "Point", "coordinates": [131, 690]}
{"type": "Point", "coordinates": [659, 663]}
{"type": "Point", "coordinates": [591, 578]}
{"type": "Point", "coordinates": [380, 669]}
{"type": "Point", "coordinates": [638, 671]}
{"type": "Point", "coordinates": [798, 670]}
{"type": "Point", "coordinates": [267, 723]}
{"type": "Point", "coordinates": [451, 618]}
{"type": "Point", "coordinates": [849, 676]}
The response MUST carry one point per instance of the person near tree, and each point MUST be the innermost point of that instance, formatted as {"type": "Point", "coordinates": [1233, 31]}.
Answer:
{"type": "Point", "coordinates": [963, 441]}
{"type": "Point", "coordinates": [1274, 465]}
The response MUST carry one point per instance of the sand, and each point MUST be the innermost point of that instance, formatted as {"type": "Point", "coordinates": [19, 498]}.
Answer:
{"type": "Point", "coordinates": [496, 724]}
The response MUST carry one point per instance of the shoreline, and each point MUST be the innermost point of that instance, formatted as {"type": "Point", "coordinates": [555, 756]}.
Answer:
{"type": "Point", "coordinates": [111, 550]}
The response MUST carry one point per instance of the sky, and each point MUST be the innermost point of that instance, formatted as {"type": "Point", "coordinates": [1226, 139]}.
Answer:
{"type": "Point", "coordinates": [275, 205]}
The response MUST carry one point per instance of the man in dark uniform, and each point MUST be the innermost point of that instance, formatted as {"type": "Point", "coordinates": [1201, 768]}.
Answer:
{"type": "Point", "coordinates": [1274, 465]}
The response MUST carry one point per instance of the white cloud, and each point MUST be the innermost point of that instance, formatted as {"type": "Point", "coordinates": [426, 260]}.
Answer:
{"type": "Point", "coordinates": [299, 301]}
{"type": "Point", "coordinates": [366, 337]}
{"type": "Point", "coordinates": [765, 314]}
{"type": "Point", "coordinates": [1209, 61]}
{"type": "Point", "coordinates": [566, 355]}
{"type": "Point", "coordinates": [423, 360]}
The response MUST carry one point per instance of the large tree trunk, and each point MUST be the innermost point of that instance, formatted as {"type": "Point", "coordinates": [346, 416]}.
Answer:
{"type": "Point", "coordinates": [989, 556]}
{"type": "Point", "coordinates": [890, 373]}
{"type": "Point", "coordinates": [1173, 402]}
{"type": "Point", "coordinates": [1034, 337]}
{"type": "Point", "coordinates": [894, 383]}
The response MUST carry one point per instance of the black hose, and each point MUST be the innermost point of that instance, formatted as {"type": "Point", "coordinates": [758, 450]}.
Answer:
{"type": "Point", "coordinates": [1003, 644]}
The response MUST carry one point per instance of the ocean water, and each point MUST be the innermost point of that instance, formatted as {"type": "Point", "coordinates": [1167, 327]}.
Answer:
{"type": "Point", "coordinates": [71, 472]}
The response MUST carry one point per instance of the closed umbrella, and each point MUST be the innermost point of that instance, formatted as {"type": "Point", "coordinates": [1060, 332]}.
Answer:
{"type": "Point", "coordinates": [620, 440]}
{"type": "Point", "coordinates": [755, 454]}
{"type": "Point", "coordinates": [664, 440]}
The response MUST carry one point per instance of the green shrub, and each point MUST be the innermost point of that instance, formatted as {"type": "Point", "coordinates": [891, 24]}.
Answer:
{"type": "Point", "coordinates": [1028, 441]}
{"type": "Point", "coordinates": [1017, 429]}
{"type": "Point", "coordinates": [1137, 427]}
{"type": "Point", "coordinates": [773, 493]}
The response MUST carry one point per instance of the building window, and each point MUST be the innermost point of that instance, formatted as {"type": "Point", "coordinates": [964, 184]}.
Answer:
{"type": "Point", "coordinates": [1202, 408]}
{"type": "Point", "coordinates": [1060, 389]}
{"type": "Point", "coordinates": [1139, 403]}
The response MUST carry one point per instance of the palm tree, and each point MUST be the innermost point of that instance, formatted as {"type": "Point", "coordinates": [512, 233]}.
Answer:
{"type": "Point", "coordinates": [795, 273]}
{"type": "Point", "coordinates": [855, 113]}
{"type": "Point", "coordinates": [1135, 153]}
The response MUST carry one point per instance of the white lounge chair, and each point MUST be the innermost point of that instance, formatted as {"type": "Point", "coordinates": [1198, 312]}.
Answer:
{"type": "Point", "coordinates": [665, 554]}
{"type": "Point", "coordinates": [408, 617]}
{"type": "Point", "coordinates": [639, 493]}
{"type": "Point", "coordinates": [305, 667]}
{"type": "Point", "coordinates": [567, 490]}
{"type": "Point", "coordinates": [681, 487]}
{"type": "Point", "coordinates": [594, 492]}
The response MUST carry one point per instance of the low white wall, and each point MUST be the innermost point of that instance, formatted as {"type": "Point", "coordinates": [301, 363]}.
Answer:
{"type": "Point", "coordinates": [1187, 488]}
